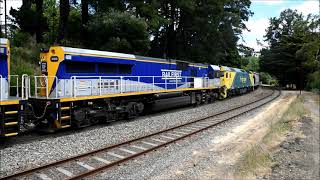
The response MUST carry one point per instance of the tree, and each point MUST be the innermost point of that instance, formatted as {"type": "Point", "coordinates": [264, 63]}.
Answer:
{"type": "Point", "coordinates": [192, 30]}
{"type": "Point", "coordinates": [24, 17]}
{"type": "Point", "coordinates": [202, 31]}
{"type": "Point", "coordinates": [51, 14]}
{"type": "Point", "coordinates": [251, 63]}
{"type": "Point", "coordinates": [84, 20]}
{"type": "Point", "coordinates": [119, 32]}
{"type": "Point", "coordinates": [63, 21]}
{"type": "Point", "coordinates": [293, 42]}
{"type": "Point", "coordinates": [40, 20]}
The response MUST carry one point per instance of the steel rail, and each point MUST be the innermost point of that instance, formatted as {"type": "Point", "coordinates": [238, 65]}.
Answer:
{"type": "Point", "coordinates": [96, 170]}
{"type": "Point", "coordinates": [105, 149]}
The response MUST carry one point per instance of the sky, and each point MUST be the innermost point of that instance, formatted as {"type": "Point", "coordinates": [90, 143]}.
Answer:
{"type": "Point", "coordinates": [265, 9]}
{"type": "Point", "coordinates": [262, 9]}
{"type": "Point", "coordinates": [15, 4]}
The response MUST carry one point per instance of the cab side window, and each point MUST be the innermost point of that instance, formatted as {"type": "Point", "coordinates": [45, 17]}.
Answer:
{"type": "Point", "coordinates": [211, 75]}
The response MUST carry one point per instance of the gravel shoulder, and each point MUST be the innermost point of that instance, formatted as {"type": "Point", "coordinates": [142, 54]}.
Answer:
{"type": "Point", "coordinates": [33, 150]}
{"type": "Point", "coordinates": [298, 155]}
{"type": "Point", "coordinates": [217, 159]}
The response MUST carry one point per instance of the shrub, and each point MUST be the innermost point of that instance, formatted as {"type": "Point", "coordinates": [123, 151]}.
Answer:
{"type": "Point", "coordinates": [314, 81]}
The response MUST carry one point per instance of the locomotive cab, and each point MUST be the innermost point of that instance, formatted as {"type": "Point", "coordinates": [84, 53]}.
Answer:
{"type": "Point", "coordinates": [4, 69]}
{"type": "Point", "coordinates": [9, 102]}
{"type": "Point", "coordinates": [214, 75]}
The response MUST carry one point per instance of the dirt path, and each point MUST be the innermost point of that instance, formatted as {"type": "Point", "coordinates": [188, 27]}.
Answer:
{"type": "Point", "coordinates": [217, 161]}
{"type": "Point", "coordinates": [298, 155]}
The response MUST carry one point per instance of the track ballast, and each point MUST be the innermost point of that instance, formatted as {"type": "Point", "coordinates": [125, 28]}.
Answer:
{"type": "Point", "coordinates": [93, 162]}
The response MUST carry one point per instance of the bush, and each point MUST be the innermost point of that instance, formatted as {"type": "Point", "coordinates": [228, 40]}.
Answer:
{"type": "Point", "coordinates": [266, 78]}
{"type": "Point", "coordinates": [314, 81]}
{"type": "Point", "coordinates": [25, 54]}
{"type": "Point", "coordinates": [21, 39]}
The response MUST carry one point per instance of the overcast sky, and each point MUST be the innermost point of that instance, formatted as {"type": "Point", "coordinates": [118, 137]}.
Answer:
{"type": "Point", "coordinates": [10, 3]}
{"type": "Point", "coordinates": [263, 10]}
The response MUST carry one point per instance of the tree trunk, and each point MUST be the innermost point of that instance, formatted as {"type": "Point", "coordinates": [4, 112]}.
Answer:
{"type": "Point", "coordinates": [26, 4]}
{"type": "Point", "coordinates": [171, 50]}
{"type": "Point", "coordinates": [39, 10]}
{"type": "Point", "coordinates": [84, 19]}
{"type": "Point", "coordinates": [64, 14]}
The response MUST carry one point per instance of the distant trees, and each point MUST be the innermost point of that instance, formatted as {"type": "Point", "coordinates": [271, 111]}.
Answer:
{"type": "Point", "coordinates": [192, 30]}
{"type": "Point", "coordinates": [294, 45]}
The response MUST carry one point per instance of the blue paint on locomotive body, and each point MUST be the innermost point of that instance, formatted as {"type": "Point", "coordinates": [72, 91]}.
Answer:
{"type": "Point", "coordinates": [139, 67]}
{"type": "Point", "coordinates": [4, 71]}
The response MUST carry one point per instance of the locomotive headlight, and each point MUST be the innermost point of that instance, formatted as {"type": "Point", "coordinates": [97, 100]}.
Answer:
{"type": "Point", "coordinates": [2, 50]}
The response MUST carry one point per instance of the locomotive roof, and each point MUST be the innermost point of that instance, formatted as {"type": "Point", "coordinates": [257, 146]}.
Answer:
{"type": "Point", "coordinates": [215, 67]}
{"type": "Point", "coordinates": [71, 50]}
{"type": "Point", "coordinates": [96, 52]}
{"type": "Point", "coordinates": [231, 69]}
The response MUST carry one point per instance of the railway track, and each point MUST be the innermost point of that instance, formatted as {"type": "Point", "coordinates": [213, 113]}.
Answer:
{"type": "Point", "coordinates": [85, 165]}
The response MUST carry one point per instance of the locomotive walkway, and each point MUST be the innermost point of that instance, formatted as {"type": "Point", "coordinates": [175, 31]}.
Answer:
{"type": "Point", "coordinates": [91, 163]}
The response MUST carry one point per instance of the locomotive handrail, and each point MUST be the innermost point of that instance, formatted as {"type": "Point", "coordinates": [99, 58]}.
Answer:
{"type": "Point", "coordinates": [16, 86]}
{"type": "Point", "coordinates": [25, 87]}
{"type": "Point", "coordinates": [122, 84]}
{"type": "Point", "coordinates": [99, 85]}
{"type": "Point", "coordinates": [45, 86]}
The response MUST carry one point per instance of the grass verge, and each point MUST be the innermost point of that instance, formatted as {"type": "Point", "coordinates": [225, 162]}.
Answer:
{"type": "Point", "coordinates": [257, 159]}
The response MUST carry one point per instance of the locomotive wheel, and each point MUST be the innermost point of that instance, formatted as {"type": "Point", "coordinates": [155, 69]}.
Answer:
{"type": "Point", "coordinates": [80, 119]}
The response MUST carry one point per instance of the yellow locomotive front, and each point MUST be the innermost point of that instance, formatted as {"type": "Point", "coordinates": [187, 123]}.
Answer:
{"type": "Point", "coordinates": [49, 63]}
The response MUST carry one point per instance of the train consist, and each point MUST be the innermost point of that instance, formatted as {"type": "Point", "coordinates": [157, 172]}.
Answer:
{"type": "Point", "coordinates": [80, 87]}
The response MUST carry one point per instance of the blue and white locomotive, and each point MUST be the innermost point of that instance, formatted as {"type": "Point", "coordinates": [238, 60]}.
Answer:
{"type": "Point", "coordinates": [80, 87]}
